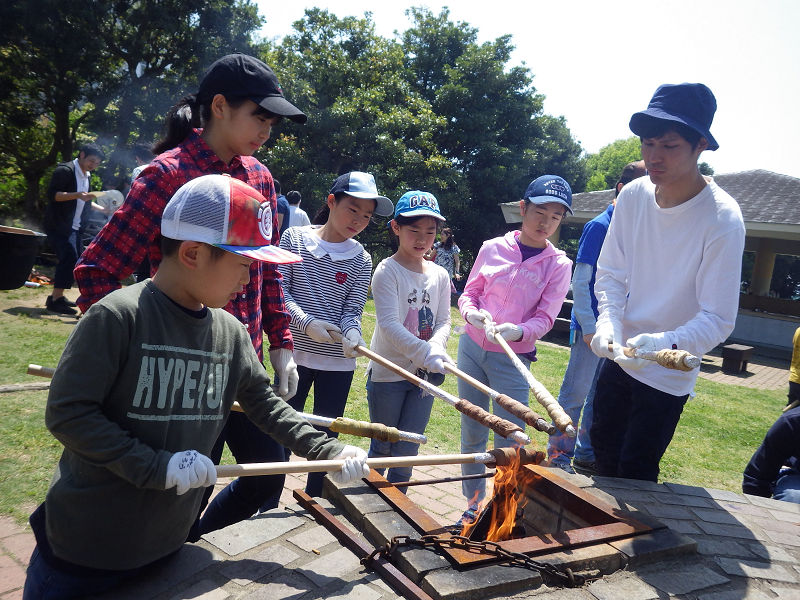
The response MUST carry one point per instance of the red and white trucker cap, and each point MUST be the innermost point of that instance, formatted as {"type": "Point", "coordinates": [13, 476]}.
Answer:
{"type": "Point", "coordinates": [227, 213]}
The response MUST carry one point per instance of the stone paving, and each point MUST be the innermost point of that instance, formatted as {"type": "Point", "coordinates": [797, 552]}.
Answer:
{"type": "Point", "coordinates": [747, 546]}
{"type": "Point", "coordinates": [747, 549]}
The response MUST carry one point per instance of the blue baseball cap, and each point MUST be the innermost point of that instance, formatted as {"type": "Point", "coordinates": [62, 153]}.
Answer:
{"type": "Point", "coordinates": [691, 104]}
{"type": "Point", "coordinates": [549, 188]}
{"type": "Point", "coordinates": [418, 204]}
{"type": "Point", "coordinates": [362, 185]}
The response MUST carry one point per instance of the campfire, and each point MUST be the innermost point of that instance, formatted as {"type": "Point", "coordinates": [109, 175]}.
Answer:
{"type": "Point", "coordinates": [500, 519]}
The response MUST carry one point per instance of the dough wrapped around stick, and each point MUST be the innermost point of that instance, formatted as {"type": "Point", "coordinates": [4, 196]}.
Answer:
{"type": "Point", "coordinates": [680, 360]}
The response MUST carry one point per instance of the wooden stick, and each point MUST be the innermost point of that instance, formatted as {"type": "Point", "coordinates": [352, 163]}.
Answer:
{"type": "Point", "coordinates": [340, 425]}
{"type": "Point", "coordinates": [680, 360]}
{"type": "Point", "coordinates": [502, 427]}
{"type": "Point", "coordinates": [514, 407]}
{"type": "Point", "coordinates": [794, 404]}
{"type": "Point", "coordinates": [553, 408]}
{"type": "Point", "coordinates": [499, 455]}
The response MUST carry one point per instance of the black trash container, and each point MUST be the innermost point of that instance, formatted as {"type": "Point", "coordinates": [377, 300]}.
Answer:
{"type": "Point", "coordinates": [18, 251]}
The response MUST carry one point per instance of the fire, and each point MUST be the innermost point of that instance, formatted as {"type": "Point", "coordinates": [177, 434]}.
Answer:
{"type": "Point", "coordinates": [507, 499]}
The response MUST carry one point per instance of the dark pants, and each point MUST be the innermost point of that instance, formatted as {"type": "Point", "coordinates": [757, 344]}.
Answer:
{"type": "Point", "coordinates": [633, 424]}
{"type": "Point", "coordinates": [244, 496]}
{"type": "Point", "coordinates": [330, 397]}
{"type": "Point", "coordinates": [66, 249]}
{"type": "Point", "coordinates": [794, 392]}
{"type": "Point", "coordinates": [51, 578]}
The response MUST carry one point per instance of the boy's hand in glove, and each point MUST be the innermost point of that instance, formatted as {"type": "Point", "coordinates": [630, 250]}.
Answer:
{"type": "Point", "coordinates": [349, 342]}
{"type": "Point", "coordinates": [190, 469]}
{"type": "Point", "coordinates": [320, 331]}
{"type": "Point", "coordinates": [285, 371]}
{"type": "Point", "coordinates": [355, 465]}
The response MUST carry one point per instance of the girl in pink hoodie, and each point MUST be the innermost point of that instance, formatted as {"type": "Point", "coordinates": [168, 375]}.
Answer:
{"type": "Point", "coordinates": [518, 284]}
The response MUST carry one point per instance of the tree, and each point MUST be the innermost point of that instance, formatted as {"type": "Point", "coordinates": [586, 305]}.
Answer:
{"type": "Point", "coordinates": [362, 114]}
{"type": "Point", "coordinates": [45, 73]}
{"type": "Point", "coordinates": [604, 168]}
{"type": "Point", "coordinates": [495, 133]}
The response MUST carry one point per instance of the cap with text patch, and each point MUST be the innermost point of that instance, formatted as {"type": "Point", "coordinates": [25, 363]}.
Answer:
{"type": "Point", "coordinates": [549, 188]}
{"type": "Point", "coordinates": [227, 213]}
{"type": "Point", "coordinates": [418, 204]}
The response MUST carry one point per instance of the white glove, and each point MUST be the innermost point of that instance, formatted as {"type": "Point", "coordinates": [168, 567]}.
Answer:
{"type": "Point", "coordinates": [647, 342]}
{"type": "Point", "coordinates": [478, 318]}
{"type": "Point", "coordinates": [190, 469]}
{"type": "Point", "coordinates": [350, 340]}
{"type": "Point", "coordinates": [285, 371]}
{"type": "Point", "coordinates": [320, 331]}
{"type": "Point", "coordinates": [435, 359]}
{"type": "Point", "coordinates": [606, 333]}
{"type": "Point", "coordinates": [355, 465]}
{"type": "Point", "coordinates": [508, 331]}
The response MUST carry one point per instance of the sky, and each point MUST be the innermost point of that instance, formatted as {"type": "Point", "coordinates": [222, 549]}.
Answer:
{"type": "Point", "coordinates": [598, 62]}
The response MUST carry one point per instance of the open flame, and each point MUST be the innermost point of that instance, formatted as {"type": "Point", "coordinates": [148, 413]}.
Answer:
{"type": "Point", "coordinates": [507, 499]}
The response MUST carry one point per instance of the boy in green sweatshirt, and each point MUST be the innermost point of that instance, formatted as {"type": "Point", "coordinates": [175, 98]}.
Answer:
{"type": "Point", "coordinates": [142, 390]}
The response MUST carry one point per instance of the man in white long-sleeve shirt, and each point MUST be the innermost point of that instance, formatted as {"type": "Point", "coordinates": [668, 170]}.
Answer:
{"type": "Point", "coordinates": [668, 277]}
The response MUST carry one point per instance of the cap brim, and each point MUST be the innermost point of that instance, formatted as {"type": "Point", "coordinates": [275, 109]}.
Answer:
{"type": "Point", "coordinates": [268, 254]}
{"type": "Point", "coordinates": [422, 212]}
{"type": "Point", "coordinates": [639, 119]}
{"type": "Point", "coordinates": [383, 206]}
{"type": "Point", "coordinates": [281, 106]}
{"type": "Point", "coordinates": [551, 200]}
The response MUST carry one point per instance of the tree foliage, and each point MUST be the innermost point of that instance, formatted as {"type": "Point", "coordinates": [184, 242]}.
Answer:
{"type": "Point", "coordinates": [604, 168]}
{"type": "Point", "coordinates": [430, 109]}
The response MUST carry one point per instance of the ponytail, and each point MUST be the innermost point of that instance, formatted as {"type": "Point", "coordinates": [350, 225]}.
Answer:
{"type": "Point", "coordinates": [181, 119]}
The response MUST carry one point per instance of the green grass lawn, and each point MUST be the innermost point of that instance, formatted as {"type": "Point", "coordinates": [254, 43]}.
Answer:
{"type": "Point", "coordinates": [718, 432]}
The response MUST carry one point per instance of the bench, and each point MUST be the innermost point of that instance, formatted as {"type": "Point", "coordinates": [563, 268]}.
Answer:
{"type": "Point", "coordinates": [735, 358]}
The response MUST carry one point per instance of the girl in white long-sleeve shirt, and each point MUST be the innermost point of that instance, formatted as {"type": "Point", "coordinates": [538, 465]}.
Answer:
{"type": "Point", "coordinates": [412, 304]}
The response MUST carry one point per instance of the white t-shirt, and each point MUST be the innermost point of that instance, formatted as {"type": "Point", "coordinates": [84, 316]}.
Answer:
{"type": "Point", "coordinates": [413, 310]}
{"type": "Point", "coordinates": [674, 270]}
{"type": "Point", "coordinates": [298, 217]}
{"type": "Point", "coordinates": [82, 181]}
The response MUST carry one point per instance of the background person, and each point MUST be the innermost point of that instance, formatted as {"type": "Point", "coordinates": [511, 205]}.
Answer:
{"type": "Point", "coordinates": [445, 254]}
{"type": "Point", "coordinates": [238, 103]}
{"type": "Point", "coordinates": [576, 395]}
{"type": "Point", "coordinates": [774, 471]}
{"type": "Point", "coordinates": [297, 216]}
{"type": "Point", "coordinates": [67, 195]}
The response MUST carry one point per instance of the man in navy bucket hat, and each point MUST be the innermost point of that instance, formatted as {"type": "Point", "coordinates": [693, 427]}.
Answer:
{"type": "Point", "coordinates": [667, 278]}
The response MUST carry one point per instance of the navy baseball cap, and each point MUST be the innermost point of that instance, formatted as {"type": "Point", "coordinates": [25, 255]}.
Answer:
{"type": "Point", "coordinates": [242, 76]}
{"type": "Point", "coordinates": [418, 204]}
{"type": "Point", "coordinates": [549, 188]}
{"type": "Point", "coordinates": [362, 185]}
{"type": "Point", "coordinates": [691, 104]}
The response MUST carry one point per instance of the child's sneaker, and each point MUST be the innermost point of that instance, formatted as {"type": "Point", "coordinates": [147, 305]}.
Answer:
{"type": "Point", "coordinates": [468, 518]}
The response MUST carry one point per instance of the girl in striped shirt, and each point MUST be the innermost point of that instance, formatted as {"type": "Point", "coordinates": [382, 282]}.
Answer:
{"type": "Point", "coordinates": [325, 295]}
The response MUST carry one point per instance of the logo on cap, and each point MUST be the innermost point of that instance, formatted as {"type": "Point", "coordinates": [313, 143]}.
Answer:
{"type": "Point", "coordinates": [423, 200]}
{"type": "Point", "coordinates": [265, 220]}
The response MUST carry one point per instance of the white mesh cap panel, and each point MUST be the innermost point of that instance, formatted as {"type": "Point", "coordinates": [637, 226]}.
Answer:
{"type": "Point", "coordinates": [198, 211]}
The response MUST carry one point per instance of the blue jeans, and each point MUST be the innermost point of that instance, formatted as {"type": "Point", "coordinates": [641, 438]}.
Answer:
{"type": "Point", "coordinates": [330, 396]}
{"type": "Point", "coordinates": [496, 370]}
{"type": "Point", "coordinates": [67, 252]}
{"type": "Point", "coordinates": [574, 398]}
{"type": "Point", "coordinates": [787, 487]}
{"type": "Point", "coordinates": [244, 496]}
{"type": "Point", "coordinates": [398, 404]}
{"type": "Point", "coordinates": [633, 424]}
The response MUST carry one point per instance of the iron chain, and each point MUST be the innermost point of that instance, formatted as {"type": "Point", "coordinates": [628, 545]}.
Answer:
{"type": "Point", "coordinates": [552, 574]}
